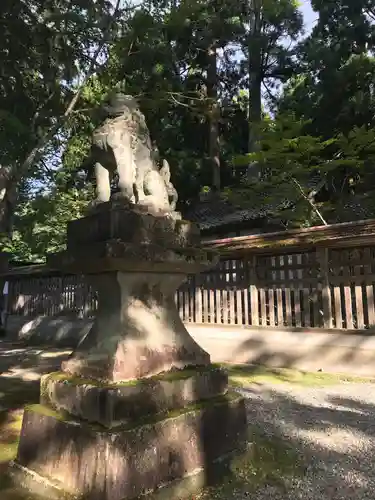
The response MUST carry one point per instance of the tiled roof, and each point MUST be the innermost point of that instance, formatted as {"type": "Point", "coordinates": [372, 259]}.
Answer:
{"type": "Point", "coordinates": [357, 208]}
{"type": "Point", "coordinates": [214, 213]}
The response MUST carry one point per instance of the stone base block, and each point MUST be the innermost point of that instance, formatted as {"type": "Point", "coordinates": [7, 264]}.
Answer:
{"type": "Point", "coordinates": [114, 404]}
{"type": "Point", "coordinates": [27, 481]}
{"type": "Point", "coordinates": [98, 464]}
{"type": "Point", "coordinates": [131, 223]}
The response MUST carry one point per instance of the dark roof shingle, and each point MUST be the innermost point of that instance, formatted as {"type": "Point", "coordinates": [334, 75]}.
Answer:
{"type": "Point", "coordinates": [218, 212]}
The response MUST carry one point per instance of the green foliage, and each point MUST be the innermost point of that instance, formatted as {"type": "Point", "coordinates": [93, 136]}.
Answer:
{"type": "Point", "coordinates": [331, 97]}
{"type": "Point", "coordinates": [182, 60]}
{"type": "Point", "coordinates": [335, 84]}
{"type": "Point", "coordinates": [291, 167]}
{"type": "Point", "coordinates": [41, 223]}
{"type": "Point", "coordinates": [42, 53]}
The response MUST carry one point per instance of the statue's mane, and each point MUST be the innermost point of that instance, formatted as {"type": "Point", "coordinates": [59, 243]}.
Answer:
{"type": "Point", "coordinates": [118, 104]}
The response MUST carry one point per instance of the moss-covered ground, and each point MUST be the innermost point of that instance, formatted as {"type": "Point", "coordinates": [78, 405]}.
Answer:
{"type": "Point", "coordinates": [245, 375]}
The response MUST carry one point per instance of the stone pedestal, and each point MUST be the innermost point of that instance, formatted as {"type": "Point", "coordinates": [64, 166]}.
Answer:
{"type": "Point", "coordinates": [137, 331]}
{"type": "Point", "coordinates": [135, 261]}
{"type": "Point", "coordinates": [138, 404]}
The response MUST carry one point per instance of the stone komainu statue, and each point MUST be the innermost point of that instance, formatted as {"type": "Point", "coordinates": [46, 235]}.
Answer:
{"type": "Point", "coordinates": [123, 143]}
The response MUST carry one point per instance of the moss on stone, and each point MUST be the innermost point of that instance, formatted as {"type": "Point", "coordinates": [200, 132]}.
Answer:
{"type": "Point", "coordinates": [226, 399]}
{"type": "Point", "coordinates": [169, 376]}
{"type": "Point", "coordinates": [47, 411]}
{"type": "Point", "coordinates": [187, 372]}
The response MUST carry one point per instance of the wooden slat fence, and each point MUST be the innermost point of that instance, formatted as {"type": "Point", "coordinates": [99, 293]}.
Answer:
{"type": "Point", "coordinates": [322, 288]}
{"type": "Point", "coordinates": [51, 296]}
{"type": "Point", "coordinates": [316, 288]}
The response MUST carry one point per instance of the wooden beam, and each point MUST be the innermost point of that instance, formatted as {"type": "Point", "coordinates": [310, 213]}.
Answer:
{"type": "Point", "coordinates": [349, 234]}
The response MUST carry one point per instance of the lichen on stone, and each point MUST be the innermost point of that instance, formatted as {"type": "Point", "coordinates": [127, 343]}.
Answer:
{"type": "Point", "coordinates": [226, 399]}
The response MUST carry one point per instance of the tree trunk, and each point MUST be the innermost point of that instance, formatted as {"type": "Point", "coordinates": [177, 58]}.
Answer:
{"type": "Point", "coordinates": [255, 73]}
{"type": "Point", "coordinates": [8, 199]}
{"type": "Point", "coordinates": [213, 117]}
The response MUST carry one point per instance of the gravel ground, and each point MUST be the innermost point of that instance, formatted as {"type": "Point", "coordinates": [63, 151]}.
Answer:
{"type": "Point", "coordinates": [334, 429]}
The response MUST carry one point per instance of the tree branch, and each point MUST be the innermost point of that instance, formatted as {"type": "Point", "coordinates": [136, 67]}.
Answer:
{"type": "Point", "coordinates": [272, 97]}
{"type": "Point", "coordinates": [309, 201]}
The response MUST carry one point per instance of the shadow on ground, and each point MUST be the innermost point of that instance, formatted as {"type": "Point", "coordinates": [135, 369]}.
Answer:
{"type": "Point", "coordinates": [20, 371]}
{"type": "Point", "coordinates": [354, 354]}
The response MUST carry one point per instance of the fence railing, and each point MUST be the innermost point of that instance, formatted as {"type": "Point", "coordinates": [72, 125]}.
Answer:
{"type": "Point", "coordinates": [315, 288]}
{"type": "Point", "coordinates": [51, 296]}
{"type": "Point", "coordinates": [322, 289]}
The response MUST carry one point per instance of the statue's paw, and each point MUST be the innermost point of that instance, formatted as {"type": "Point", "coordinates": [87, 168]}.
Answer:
{"type": "Point", "coordinates": [176, 215]}
{"type": "Point", "coordinates": [93, 205]}
{"type": "Point", "coordinates": [119, 196]}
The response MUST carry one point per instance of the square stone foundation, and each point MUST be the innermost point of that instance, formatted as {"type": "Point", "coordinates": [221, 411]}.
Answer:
{"type": "Point", "coordinates": [112, 405]}
{"type": "Point", "coordinates": [115, 464]}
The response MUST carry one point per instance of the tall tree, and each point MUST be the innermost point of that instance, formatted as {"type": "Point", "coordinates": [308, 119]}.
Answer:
{"type": "Point", "coordinates": [334, 93]}
{"type": "Point", "coordinates": [269, 31]}
{"type": "Point", "coordinates": [334, 88]}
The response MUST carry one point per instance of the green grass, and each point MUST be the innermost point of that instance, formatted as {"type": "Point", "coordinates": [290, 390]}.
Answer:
{"type": "Point", "coordinates": [9, 435]}
{"type": "Point", "coordinates": [245, 375]}
{"type": "Point", "coordinates": [14, 395]}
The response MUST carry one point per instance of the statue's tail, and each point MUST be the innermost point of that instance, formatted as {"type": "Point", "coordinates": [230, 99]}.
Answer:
{"type": "Point", "coordinates": [87, 166]}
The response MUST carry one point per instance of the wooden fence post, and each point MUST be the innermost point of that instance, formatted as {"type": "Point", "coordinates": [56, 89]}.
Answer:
{"type": "Point", "coordinates": [369, 288]}
{"type": "Point", "coordinates": [253, 291]}
{"type": "Point", "coordinates": [322, 257]}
